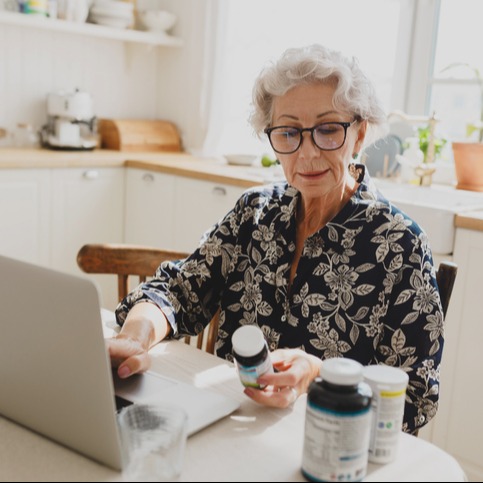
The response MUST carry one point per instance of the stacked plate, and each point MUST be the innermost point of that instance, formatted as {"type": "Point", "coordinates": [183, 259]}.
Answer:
{"type": "Point", "coordinates": [112, 13]}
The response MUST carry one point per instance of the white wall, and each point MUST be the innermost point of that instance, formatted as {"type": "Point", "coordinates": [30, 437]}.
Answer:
{"type": "Point", "coordinates": [184, 93]}
{"type": "Point", "coordinates": [35, 62]}
{"type": "Point", "coordinates": [125, 80]}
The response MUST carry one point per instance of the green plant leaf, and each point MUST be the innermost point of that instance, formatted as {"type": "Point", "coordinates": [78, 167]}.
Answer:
{"type": "Point", "coordinates": [439, 143]}
{"type": "Point", "coordinates": [470, 129]}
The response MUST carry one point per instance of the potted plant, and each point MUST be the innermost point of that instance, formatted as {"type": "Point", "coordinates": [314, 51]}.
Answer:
{"type": "Point", "coordinates": [468, 155]}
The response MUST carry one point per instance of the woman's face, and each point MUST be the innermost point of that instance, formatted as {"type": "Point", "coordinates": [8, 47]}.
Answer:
{"type": "Point", "coordinates": [313, 171]}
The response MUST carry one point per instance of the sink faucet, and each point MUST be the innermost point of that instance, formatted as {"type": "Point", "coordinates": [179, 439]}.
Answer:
{"type": "Point", "coordinates": [424, 172]}
{"type": "Point", "coordinates": [430, 154]}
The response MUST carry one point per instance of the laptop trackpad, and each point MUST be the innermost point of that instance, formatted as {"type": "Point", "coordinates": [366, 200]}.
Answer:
{"type": "Point", "coordinates": [202, 406]}
{"type": "Point", "coordinates": [142, 388]}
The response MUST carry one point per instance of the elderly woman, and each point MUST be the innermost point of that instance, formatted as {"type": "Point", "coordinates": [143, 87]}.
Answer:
{"type": "Point", "coordinates": [322, 263]}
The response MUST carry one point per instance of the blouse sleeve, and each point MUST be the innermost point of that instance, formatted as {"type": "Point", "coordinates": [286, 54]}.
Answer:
{"type": "Point", "coordinates": [413, 334]}
{"type": "Point", "coordinates": [188, 291]}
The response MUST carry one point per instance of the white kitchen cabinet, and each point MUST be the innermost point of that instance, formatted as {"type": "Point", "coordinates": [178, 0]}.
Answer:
{"type": "Point", "coordinates": [199, 205]}
{"type": "Point", "coordinates": [87, 207]}
{"type": "Point", "coordinates": [173, 212]}
{"type": "Point", "coordinates": [25, 214]}
{"type": "Point", "coordinates": [149, 215]}
{"type": "Point", "coordinates": [458, 426]}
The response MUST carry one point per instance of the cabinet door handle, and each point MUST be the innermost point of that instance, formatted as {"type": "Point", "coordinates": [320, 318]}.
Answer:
{"type": "Point", "coordinates": [148, 177]}
{"type": "Point", "coordinates": [91, 174]}
{"type": "Point", "coordinates": [219, 191]}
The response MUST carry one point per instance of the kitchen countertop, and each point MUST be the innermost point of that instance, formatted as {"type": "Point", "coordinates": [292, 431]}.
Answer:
{"type": "Point", "coordinates": [182, 164]}
{"type": "Point", "coordinates": [472, 220]}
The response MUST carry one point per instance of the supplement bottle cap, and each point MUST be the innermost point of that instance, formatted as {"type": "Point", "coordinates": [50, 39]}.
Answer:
{"type": "Point", "coordinates": [338, 370]}
{"type": "Point", "coordinates": [392, 377]}
{"type": "Point", "coordinates": [248, 340]}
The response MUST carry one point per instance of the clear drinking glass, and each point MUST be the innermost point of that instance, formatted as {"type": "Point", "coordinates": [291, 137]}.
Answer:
{"type": "Point", "coordinates": [154, 440]}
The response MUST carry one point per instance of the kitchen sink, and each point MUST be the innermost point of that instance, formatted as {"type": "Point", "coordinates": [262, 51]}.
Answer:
{"type": "Point", "coordinates": [433, 208]}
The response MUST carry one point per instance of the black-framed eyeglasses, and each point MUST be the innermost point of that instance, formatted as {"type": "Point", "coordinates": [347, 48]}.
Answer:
{"type": "Point", "coordinates": [327, 136]}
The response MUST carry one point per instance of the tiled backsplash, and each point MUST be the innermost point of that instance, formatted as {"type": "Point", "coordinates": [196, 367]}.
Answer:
{"type": "Point", "coordinates": [123, 80]}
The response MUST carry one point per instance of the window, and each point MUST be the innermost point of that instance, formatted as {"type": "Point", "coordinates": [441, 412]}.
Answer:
{"type": "Point", "coordinates": [455, 93]}
{"type": "Point", "coordinates": [256, 32]}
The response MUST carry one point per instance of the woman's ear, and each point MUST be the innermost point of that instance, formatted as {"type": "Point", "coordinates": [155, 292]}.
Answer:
{"type": "Point", "coordinates": [361, 134]}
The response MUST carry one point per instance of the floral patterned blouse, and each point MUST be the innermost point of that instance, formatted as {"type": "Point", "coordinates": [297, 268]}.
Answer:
{"type": "Point", "coordinates": [365, 287]}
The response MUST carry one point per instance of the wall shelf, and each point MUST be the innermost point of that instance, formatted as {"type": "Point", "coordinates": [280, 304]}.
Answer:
{"type": "Point", "coordinates": [88, 29]}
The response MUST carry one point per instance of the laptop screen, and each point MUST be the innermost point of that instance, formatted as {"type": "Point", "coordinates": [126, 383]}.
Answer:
{"type": "Point", "coordinates": [55, 371]}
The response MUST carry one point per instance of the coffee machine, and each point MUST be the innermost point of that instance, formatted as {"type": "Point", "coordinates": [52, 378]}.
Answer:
{"type": "Point", "coordinates": [71, 124]}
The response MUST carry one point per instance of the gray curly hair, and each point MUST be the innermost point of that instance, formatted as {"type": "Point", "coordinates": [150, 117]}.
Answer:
{"type": "Point", "coordinates": [316, 63]}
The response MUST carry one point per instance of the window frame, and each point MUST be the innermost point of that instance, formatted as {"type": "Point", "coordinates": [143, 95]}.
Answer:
{"type": "Point", "coordinates": [421, 59]}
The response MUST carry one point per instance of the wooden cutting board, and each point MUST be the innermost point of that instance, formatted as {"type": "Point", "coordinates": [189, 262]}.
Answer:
{"type": "Point", "coordinates": [139, 135]}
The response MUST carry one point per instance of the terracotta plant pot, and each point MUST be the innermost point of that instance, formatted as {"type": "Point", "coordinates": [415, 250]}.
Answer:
{"type": "Point", "coordinates": [468, 161]}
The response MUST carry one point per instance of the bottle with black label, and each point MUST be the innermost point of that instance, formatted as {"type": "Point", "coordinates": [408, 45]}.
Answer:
{"type": "Point", "coordinates": [251, 355]}
{"type": "Point", "coordinates": [337, 423]}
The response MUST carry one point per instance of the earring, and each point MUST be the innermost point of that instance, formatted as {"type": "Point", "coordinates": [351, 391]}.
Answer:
{"type": "Point", "coordinates": [354, 156]}
{"type": "Point", "coordinates": [357, 171]}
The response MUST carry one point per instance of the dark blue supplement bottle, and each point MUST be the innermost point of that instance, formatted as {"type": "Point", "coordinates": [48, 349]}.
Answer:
{"type": "Point", "coordinates": [337, 423]}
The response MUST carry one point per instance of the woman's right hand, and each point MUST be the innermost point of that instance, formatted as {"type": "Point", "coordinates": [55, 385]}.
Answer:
{"type": "Point", "coordinates": [128, 355]}
{"type": "Point", "coordinates": [144, 327]}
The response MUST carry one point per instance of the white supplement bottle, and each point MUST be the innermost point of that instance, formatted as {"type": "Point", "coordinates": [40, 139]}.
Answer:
{"type": "Point", "coordinates": [388, 386]}
{"type": "Point", "coordinates": [251, 355]}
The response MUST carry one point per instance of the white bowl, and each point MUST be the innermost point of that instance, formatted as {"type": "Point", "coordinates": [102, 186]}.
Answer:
{"type": "Point", "coordinates": [106, 12]}
{"type": "Point", "coordinates": [157, 20]}
{"type": "Point", "coordinates": [240, 159]}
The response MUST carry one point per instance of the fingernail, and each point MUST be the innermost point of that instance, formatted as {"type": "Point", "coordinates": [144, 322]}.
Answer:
{"type": "Point", "coordinates": [249, 392]}
{"type": "Point", "coordinates": [124, 372]}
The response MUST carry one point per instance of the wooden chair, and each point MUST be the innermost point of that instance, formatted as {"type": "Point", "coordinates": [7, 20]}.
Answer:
{"type": "Point", "coordinates": [446, 276]}
{"type": "Point", "coordinates": [130, 260]}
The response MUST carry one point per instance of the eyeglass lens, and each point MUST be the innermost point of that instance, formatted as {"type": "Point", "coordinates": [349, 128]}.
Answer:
{"type": "Point", "coordinates": [327, 136]}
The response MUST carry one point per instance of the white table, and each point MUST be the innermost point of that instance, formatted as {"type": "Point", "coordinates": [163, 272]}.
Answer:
{"type": "Point", "coordinates": [255, 444]}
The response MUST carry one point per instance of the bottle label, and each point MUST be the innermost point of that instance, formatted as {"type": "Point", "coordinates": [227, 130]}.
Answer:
{"type": "Point", "coordinates": [336, 444]}
{"type": "Point", "coordinates": [388, 414]}
{"type": "Point", "coordinates": [250, 374]}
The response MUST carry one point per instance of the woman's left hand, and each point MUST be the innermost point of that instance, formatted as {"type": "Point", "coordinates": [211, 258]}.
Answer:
{"type": "Point", "coordinates": [296, 370]}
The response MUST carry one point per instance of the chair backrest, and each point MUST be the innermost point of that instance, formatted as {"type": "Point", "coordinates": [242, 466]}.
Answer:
{"type": "Point", "coordinates": [131, 260]}
{"type": "Point", "coordinates": [446, 276]}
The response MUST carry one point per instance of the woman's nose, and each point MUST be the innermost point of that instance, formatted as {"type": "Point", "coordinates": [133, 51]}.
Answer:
{"type": "Point", "coordinates": [308, 148]}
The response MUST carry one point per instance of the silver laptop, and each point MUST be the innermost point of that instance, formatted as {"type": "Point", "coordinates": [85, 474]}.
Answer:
{"type": "Point", "coordinates": [55, 373]}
